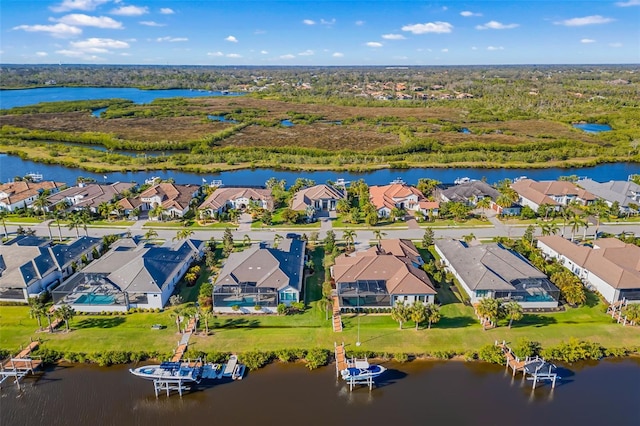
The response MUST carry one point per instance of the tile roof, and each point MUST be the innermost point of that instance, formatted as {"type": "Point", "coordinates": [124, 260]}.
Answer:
{"type": "Point", "coordinates": [613, 261]}
{"type": "Point", "coordinates": [171, 194]}
{"type": "Point", "coordinates": [221, 196]}
{"type": "Point", "coordinates": [386, 196]}
{"type": "Point", "coordinates": [305, 197]}
{"type": "Point", "coordinates": [468, 190]}
{"type": "Point", "coordinates": [622, 191]}
{"type": "Point", "coordinates": [91, 194]}
{"type": "Point", "coordinates": [541, 192]}
{"type": "Point", "coordinates": [487, 266]}
{"type": "Point", "coordinates": [14, 192]}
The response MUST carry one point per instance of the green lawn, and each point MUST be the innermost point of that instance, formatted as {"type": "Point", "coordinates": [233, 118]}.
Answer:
{"type": "Point", "coordinates": [313, 284]}
{"type": "Point", "coordinates": [22, 219]}
{"type": "Point", "coordinates": [382, 224]}
{"type": "Point", "coordinates": [450, 223]}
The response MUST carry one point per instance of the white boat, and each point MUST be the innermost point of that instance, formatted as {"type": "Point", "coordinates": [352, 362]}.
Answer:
{"type": "Point", "coordinates": [238, 373]}
{"type": "Point", "coordinates": [34, 177]}
{"type": "Point", "coordinates": [361, 370]}
{"type": "Point", "coordinates": [169, 370]}
{"type": "Point", "coordinates": [462, 180]}
{"type": "Point", "coordinates": [152, 181]}
{"type": "Point", "coordinates": [230, 367]}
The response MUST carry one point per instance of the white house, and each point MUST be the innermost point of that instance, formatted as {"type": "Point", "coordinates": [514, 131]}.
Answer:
{"type": "Point", "coordinates": [611, 267]}
{"type": "Point", "coordinates": [625, 193]}
{"type": "Point", "coordinates": [174, 198]}
{"type": "Point", "coordinates": [319, 197]}
{"type": "Point", "coordinates": [14, 195]}
{"type": "Point", "coordinates": [236, 198]}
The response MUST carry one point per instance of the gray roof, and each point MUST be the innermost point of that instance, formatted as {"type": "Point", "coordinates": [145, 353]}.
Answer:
{"type": "Point", "coordinates": [67, 253]}
{"type": "Point", "coordinates": [488, 266]}
{"type": "Point", "coordinates": [141, 268]}
{"type": "Point", "coordinates": [612, 191]}
{"type": "Point", "coordinates": [469, 190]}
{"type": "Point", "coordinates": [266, 266]}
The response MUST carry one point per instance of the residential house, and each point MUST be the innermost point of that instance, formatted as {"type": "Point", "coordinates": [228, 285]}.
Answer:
{"type": "Point", "coordinates": [610, 267]}
{"type": "Point", "coordinates": [130, 275]}
{"type": "Point", "coordinates": [30, 265]}
{"type": "Point", "coordinates": [261, 276]}
{"type": "Point", "coordinates": [625, 193]}
{"type": "Point", "coordinates": [241, 198]}
{"type": "Point", "coordinates": [429, 209]}
{"type": "Point", "coordinates": [382, 276]}
{"type": "Point", "coordinates": [395, 195]}
{"type": "Point", "coordinates": [14, 195]}
{"type": "Point", "coordinates": [320, 198]}
{"type": "Point", "coordinates": [174, 198]}
{"type": "Point", "coordinates": [490, 270]}
{"type": "Point", "coordinates": [553, 193]}
{"type": "Point", "coordinates": [89, 195]}
{"type": "Point", "coordinates": [471, 192]}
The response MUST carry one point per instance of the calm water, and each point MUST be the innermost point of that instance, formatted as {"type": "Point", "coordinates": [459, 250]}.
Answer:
{"type": "Point", "coordinates": [14, 98]}
{"type": "Point", "coordinates": [11, 166]}
{"type": "Point", "coordinates": [592, 127]}
{"type": "Point", "coordinates": [418, 393]}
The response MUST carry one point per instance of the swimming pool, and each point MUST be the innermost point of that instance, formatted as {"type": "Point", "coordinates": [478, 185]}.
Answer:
{"type": "Point", "coordinates": [95, 299]}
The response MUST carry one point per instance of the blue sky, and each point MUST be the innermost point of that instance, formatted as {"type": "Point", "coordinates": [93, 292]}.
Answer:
{"type": "Point", "coordinates": [374, 32]}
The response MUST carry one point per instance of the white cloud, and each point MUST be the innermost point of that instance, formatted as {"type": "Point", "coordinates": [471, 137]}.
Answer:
{"type": "Point", "coordinates": [628, 3]}
{"type": "Point", "coordinates": [437, 27]}
{"type": "Point", "coordinates": [287, 56]}
{"type": "Point", "coordinates": [68, 5]}
{"type": "Point", "coordinates": [445, 50]}
{"type": "Point", "coordinates": [99, 45]}
{"type": "Point", "coordinates": [167, 11]}
{"type": "Point", "coordinates": [215, 54]}
{"type": "Point", "coordinates": [374, 44]}
{"type": "Point", "coordinates": [495, 25]}
{"type": "Point", "coordinates": [309, 22]}
{"type": "Point", "coordinates": [393, 37]}
{"type": "Point", "coordinates": [586, 20]}
{"type": "Point", "coordinates": [615, 44]}
{"type": "Point", "coordinates": [130, 10]}
{"type": "Point", "coordinates": [233, 55]}
{"type": "Point", "coordinates": [78, 54]}
{"type": "Point", "coordinates": [232, 39]}
{"type": "Point", "coordinates": [151, 24]}
{"type": "Point", "coordinates": [495, 48]}
{"type": "Point", "coordinates": [307, 52]}
{"type": "Point", "coordinates": [171, 39]}
{"type": "Point", "coordinates": [42, 54]}
{"type": "Point", "coordinates": [264, 52]}
{"type": "Point", "coordinates": [329, 23]}
{"type": "Point", "coordinates": [474, 48]}
{"type": "Point", "coordinates": [82, 20]}
{"type": "Point", "coordinates": [338, 55]}
{"type": "Point", "coordinates": [359, 23]}
{"type": "Point", "coordinates": [57, 30]}
{"type": "Point", "coordinates": [467, 13]}
{"type": "Point", "coordinates": [587, 40]}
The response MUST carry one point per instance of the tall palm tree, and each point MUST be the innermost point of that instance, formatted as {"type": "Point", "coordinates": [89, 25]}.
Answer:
{"type": "Point", "coordinates": [65, 313]}
{"type": "Point", "coordinates": [349, 236]}
{"type": "Point", "coordinates": [246, 240]}
{"type": "Point", "coordinates": [150, 234]}
{"type": "Point", "coordinates": [490, 308]}
{"type": "Point", "coordinates": [36, 310]}
{"type": "Point", "coordinates": [276, 240]}
{"type": "Point", "coordinates": [74, 223]}
{"type": "Point", "coordinates": [513, 311]}
{"type": "Point", "coordinates": [324, 304]}
{"type": "Point", "coordinates": [158, 212]}
{"type": "Point", "coordinates": [378, 234]}
{"type": "Point", "coordinates": [484, 203]}
{"type": "Point", "coordinates": [84, 219]}
{"type": "Point", "coordinates": [468, 237]}
{"type": "Point", "coordinates": [632, 312]}
{"type": "Point", "coordinates": [3, 216]}
{"type": "Point", "coordinates": [433, 314]}
{"type": "Point", "coordinates": [565, 213]}
{"type": "Point", "coordinates": [549, 228]}
{"type": "Point", "coordinates": [183, 234]}
{"type": "Point", "coordinates": [57, 217]}
{"type": "Point", "coordinates": [400, 313]}
{"type": "Point", "coordinates": [576, 222]}
{"type": "Point", "coordinates": [418, 313]}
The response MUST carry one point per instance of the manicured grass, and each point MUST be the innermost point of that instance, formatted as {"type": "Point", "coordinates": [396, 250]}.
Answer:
{"type": "Point", "coordinates": [118, 223]}
{"type": "Point", "coordinates": [22, 219]}
{"type": "Point", "coordinates": [450, 223]}
{"type": "Point", "coordinates": [313, 284]}
{"type": "Point", "coordinates": [339, 223]}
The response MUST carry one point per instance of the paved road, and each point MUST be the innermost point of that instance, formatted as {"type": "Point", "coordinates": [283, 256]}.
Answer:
{"type": "Point", "coordinates": [496, 228]}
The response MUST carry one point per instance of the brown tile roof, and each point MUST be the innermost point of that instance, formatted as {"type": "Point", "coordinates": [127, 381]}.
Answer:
{"type": "Point", "coordinates": [541, 192]}
{"type": "Point", "coordinates": [171, 194]}
{"type": "Point", "coordinates": [93, 194]}
{"type": "Point", "coordinates": [384, 196]}
{"type": "Point", "coordinates": [220, 196]}
{"type": "Point", "coordinates": [18, 191]}
{"type": "Point", "coordinates": [400, 276]}
{"type": "Point", "coordinates": [613, 261]}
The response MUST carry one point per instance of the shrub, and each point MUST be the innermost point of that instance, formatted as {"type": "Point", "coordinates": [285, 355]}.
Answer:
{"type": "Point", "coordinates": [255, 359]}
{"type": "Point", "coordinates": [526, 348]}
{"type": "Point", "coordinates": [217, 357]}
{"type": "Point", "coordinates": [574, 350]}
{"type": "Point", "coordinates": [235, 308]}
{"type": "Point", "coordinates": [49, 356]}
{"type": "Point", "coordinates": [257, 308]}
{"type": "Point", "coordinates": [443, 354]}
{"type": "Point", "coordinates": [492, 354]}
{"type": "Point", "coordinates": [282, 309]}
{"type": "Point", "coordinates": [288, 355]}
{"type": "Point", "coordinates": [470, 356]}
{"type": "Point", "coordinates": [401, 357]}
{"type": "Point", "coordinates": [317, 357]}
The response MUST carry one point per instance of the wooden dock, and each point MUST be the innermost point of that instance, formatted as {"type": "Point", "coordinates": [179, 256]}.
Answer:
{"type": "Point", "coordinates": [337, 318]}
{"type": "Point", "coordinates": [20, 365]}
{"type": "Point", "coordinates": [341, 358]}
{"type": "Point", "coordinates": [537, 368]}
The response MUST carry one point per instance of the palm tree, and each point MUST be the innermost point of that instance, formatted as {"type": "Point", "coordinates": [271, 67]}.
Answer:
{"type": "Point", "coordinates": [418, 312]}
{"type": "Point", "coordinates": [349, 236]}
{"type": "Point", "coordinates": [513, 311]}
{"type": "Point", "coordinates": [206, 314]}
{"type": "Point", "coordinates": [3, 216]}
{"type": "Point", "coordinates": [183, 234]}
{"type": "Point", "coordinates": [57, 218]}
{"type": "Point", "coordinates": [549, 228]}
{"type": "Point", "coordinates": [276, 240]}
{"type": "Point", "coordinates": [400, 313]}
{"type": "Point", "coordinates": [36, 310]}
{"type": "Point", "coordinates": [324, 304]}
{"type": "Point", "coordinates": [490, 308]}
{"type": "Point", "coordinates": [378, 234]}
{"type": "Point", "coordinates": [484, 203]}
{"type": "Point", "coordinates": [632, 312]}
{"type": "Point", "coordinates": [504, 201]}
{"type": "Point", "coordinates": [576, 222]}
{"type": "Point", "coordinates": [74, 223]}
{"type": "Point", "coordinates": [41, 203]}
{"type": "Point", "coordinates": [84, 219]}
{"type": "Point", "coordinates": [468, 238]}
{"type": "Point", "coordinates": [65, 313]}
{"type": "Point", "coordinates": [246, 240]}
{"type": "Point", "coordinates": [565, 213]}
{"type": "Point", "coordinates": [433, 314]}
{"type": "Point", "coordinates": [233, 215]}
{"type": "Point", "coordinates": [343, 206]}
{"type": "Point", "coordinates": [157, 212]}
{"type": "Point", "coordinates": [150, 234]}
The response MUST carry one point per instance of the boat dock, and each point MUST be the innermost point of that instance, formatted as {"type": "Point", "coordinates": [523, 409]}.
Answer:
{"type": "Point", "coordinates": [615, 310]}
{"type": "Point", "coordinates": [537, 368]}
{"type": "Point", "coordinates": [336, 318]}
{"type": "Point", "coordinates": [20, 365]}
{"type": "Point", "coordinates": [343, 363]}
{"type": "Point", "coordinates": [183, 345]}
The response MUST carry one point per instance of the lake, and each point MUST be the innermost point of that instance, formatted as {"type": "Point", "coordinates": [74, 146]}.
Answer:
{"type": "Point", "coordinates": [23, 97]}
{"type": "Point", "coordinates": [593, 127]}
{"type": "Point", "coordinates": [416, 393]}
{"type": "Point", "coordinates": [11, 166]}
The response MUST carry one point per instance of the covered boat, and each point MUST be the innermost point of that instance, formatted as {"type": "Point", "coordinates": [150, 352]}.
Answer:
{"type": "Point", "coordinates": [182, 371]}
